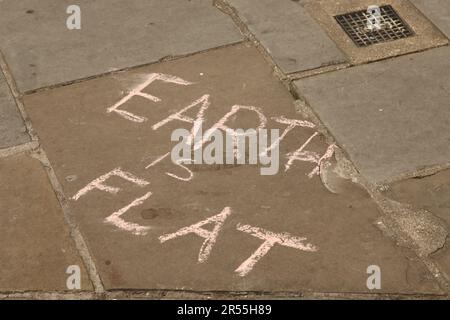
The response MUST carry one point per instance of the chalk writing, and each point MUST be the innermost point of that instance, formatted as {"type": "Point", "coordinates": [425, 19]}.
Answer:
{"type": "Point", "coordinates": [116, 220]}
{"type": "Point", "coordinates": [99, 182]}
{"type": "Point", "coordinates": [210, 228]}
{"type": "Point", "coordinates": [138, 92]}
{"type": "Point", "coordinates": [210, 236]}
{"type": "Point", "coordinates": [270, 239]}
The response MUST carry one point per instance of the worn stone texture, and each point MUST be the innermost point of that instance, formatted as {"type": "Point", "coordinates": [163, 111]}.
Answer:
{"type": "Point", "coordinates": [36, 248]}
{"type": "Point", "coordinates": [392, 117]}
{"type": "Point", "coordinates": [431, 193]}
{"type": "Point", "coordinates": [42, 51]}
{"type": "Point", "coordinates": [438, 11]}
{"type": "Point", "coordinates": [84, 142]}
{"type": "Point", "coordinates": [12, 127]}
{"type": "Point", "coordinates": [294, 40]}
{"type": "Point", "coordinates": [442, 258]}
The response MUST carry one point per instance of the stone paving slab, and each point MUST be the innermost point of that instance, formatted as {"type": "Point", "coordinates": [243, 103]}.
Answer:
{"type": "Point", "coordinates": [442, 258]}
{"type": "Point", "coordinates": [12, 128]}
{"type": "Point", "coordinates": [430, 193]}
{"type": "Point", "coordinates": [132, 204]}
{"type": "Point", "coordinates": [438, 11]}
{"type": "Point", "coordinates": [36, 248]}
{"type": "Point", "coordinates": [294, 39]}
{"type": "Point", "coordinates": [42, 51]}
{"type": "Point", "coordinates": [392, 117]}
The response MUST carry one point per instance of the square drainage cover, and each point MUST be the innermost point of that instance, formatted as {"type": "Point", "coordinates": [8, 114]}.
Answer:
{"type": "Point", "coordinates": [375, 25]}
{"type": "Point", "coordinates": [370, 30]}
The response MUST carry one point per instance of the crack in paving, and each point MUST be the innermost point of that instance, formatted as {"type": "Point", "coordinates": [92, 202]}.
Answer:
{"type": "Point", "coordinates": [416, 229]}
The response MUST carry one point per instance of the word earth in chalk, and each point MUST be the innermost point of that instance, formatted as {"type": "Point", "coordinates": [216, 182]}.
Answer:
{"type": "Point", "coordinates": [203, 103]}
{"type": "Point", "coordinates": [270, 239]}
{"type": "Point", "coordinates": [138, 92]}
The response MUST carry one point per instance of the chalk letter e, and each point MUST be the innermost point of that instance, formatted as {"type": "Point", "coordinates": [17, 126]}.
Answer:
{"type": "Point", "coordinates": [74, 20]}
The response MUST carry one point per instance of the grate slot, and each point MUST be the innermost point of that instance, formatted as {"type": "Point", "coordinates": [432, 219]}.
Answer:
{"type": "Point", "coordinates": [355, 25]}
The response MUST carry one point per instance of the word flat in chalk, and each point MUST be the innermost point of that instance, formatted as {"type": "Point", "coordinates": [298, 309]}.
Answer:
{"type": "Point", "coordinates": [269, 238]}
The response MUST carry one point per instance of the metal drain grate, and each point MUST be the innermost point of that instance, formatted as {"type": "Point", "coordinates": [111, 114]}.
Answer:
{"type": "Point", "coordinates": [357, 25]}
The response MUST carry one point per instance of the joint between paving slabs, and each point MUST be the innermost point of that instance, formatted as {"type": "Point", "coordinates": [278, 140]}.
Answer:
{"type": "Point", "coordinates": [232, 295]}
{"type": "Point", "coordinates": [126, 69]}
{"type": "Point", "coordinates": [19, 149]}
{"type": "Point", "coordinates": [37, 152]}
{"type": "Point", "coordinates": [17, 97]}
{"type": "Point", "coordinates": [302, 107]}
{"type": "Point", "coordinates": [390, 209]}
{"type": "Point", "coordinates": [316, 71]}
{"type": "Point", "coordinates": [208, 295]}
{"type": "Point", "coordinates": [431, 21]}
{"type": "Point", "coordinates": [229, 10]}
{"type": "Point", "coordinates": [347, 65]}
{"type": "Point", "coordinates": [75, 233]}
{"type": "Point", "coordinates": [39, 295]}
{"type": "Point", "coordinates": [419, 173]}
{"type": "Point", "coordinates": [287, 80]}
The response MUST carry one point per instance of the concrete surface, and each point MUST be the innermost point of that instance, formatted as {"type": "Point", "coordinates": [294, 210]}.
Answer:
{"type": "Point", "coordinates": [294, 40]}
{"type": "Point", "coordinates": [36, 248]}
{"type": "Point", "coordinates": [42, 51]}
{"type": "Point", "coordinates": [388, 124]}
{"type": "Point", "coordinates": [94, 142]}
{"type": "Point", "coordinates": [438, 11]}
{"type": "Point", "coordinates": [12, 128]}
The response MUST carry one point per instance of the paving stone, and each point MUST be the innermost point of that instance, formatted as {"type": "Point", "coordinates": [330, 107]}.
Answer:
{"type": "Point", "coordinates": [392, 117]}
{"type": "Point", "coordinates": [36, 247]}
{"type": "Point", "coordinates": [290, 35]}
{"type": "Point", "coordinates": [127, 229]}
{"type": "Point", "coordinates": [438, 11]}
{"type": "Point", "coordinates": [12, 128]}
{"type": "Point", "coordinates": [42, 51]}
{"type": "Point", "coordinates": [431, 193]}
{"type": "Point", "coordinates": [442, 257]}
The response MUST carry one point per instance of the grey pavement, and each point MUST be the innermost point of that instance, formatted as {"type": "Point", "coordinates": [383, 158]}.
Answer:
{"type": "Point", "coordinates": [392, 117]}
{"type": "Point", "coordinates": [36, 247]}
{"type": "Point", "coordinates": [128, 251]}
{"type": "Point", "coordinates": [292, 37]}
{"type": "Point", "coordinates": [364, 157]}
{"type": "Point", "coordinates": [12, 127]}
{"type": "Point", "coordinates": [41, 51]}
{"type": "Point", "coordinates": [438, 11]}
